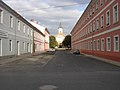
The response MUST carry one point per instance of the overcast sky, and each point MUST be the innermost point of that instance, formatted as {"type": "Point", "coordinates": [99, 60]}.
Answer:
{"type": "Point", "coordinates": [50, 13]}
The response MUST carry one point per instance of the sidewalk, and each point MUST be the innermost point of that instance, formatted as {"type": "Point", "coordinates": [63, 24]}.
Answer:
{"type": "Point", "coordinates": [8, 59]}
{"type": "Point", "coordinates": [104, 60]}
{"type": "Point", "coordinates": [101, 59]}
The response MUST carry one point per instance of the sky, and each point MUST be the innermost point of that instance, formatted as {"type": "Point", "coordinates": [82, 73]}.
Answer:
{"type": "Point", "coordinates": [49, 13]}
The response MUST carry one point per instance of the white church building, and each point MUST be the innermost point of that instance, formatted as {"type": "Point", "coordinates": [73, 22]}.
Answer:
{"type": "Point", "coordinates": [60, 35]}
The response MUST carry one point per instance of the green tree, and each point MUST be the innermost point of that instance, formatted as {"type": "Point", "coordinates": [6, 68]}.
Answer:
{"type": "Point", "coordinates": [67, 41]}
{"type": "Point", "coordinates": [53, 42]}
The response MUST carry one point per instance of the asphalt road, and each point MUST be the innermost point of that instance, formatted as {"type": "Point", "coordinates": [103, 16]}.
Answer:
{"type": "Point", "coordinates": [64, 71]}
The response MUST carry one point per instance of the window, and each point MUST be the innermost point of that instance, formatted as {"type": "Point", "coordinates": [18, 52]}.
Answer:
{"type": "Point", "coordinates": [101, 2]}
{"type": "Point", "coordinates": [88, 29]}
{"type": "Point", "coordinates": [31, 32]}
{"type": "Point", "coordinates": [116, 43]}
{"type": "Point", "coordinates": [94, 26]}
{"type": "Point", "coordinates": [11, 21]}
{"type": "Point", "coordinates": [93, 11]}
{"type": "Point", "coordinates": [23, 46]}
{"type": "Point", "coordinates": [102, 21]}
{"type": "Point", "coordinates": [10, 45]}
{"type": "Point", "coordinates": [108, 44]}
{"type": "Point", "coordinates": [88, 15]}
{"type": "Point", "coordinates": [97, 24]}
{"type": "Point", "coordinates": [88, 45]}
{"type": "Point", "coordinates": [1, 16]}
{"type": "Point", "coordinates": [24, 28]}
{"type": "Point", "coordinates": [91, 28]}
{"type": "Point", "coordinates": [91, 46]}
{"type": "Point", "coordinates": [115, 13]}
{"type": "Point", "coordinates": [102, 44]}
{"type": "Point", "coordinates": [94, 45]}
{"type": "Point", "coordinates": [96, 4]}
{"type": "Point", "coordinates": [108, 18]}
{"type": "Point", "coordinates": [98, 44]}
{"type": "Point", "coordinates": [28, 30]}
{"type": "Point", "coordinates": [18, 25]}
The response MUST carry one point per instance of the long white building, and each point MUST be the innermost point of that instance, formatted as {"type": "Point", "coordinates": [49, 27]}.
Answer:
{"type": "Point", "coordinates": [16, 33]}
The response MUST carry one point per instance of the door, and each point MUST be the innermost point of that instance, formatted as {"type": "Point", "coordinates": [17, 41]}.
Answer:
{"type": "Point", "coordinates": [31, 48]}
{"type": "Point", "coordinates": [0, 47]}
{"type": "Point", "coordinates": [18, 48]}
{"type": "Point", "coordinates": [28, 49]}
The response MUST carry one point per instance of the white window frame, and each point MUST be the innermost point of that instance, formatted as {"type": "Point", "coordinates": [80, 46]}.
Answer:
{"type": "Point", "coordinates": [93, 10]}
{"type": "Point", "coordinates": [28, 30]}
{"type": "Point", "coordinates": [107, 43]}
{"type": "Point", "coordinates": [88, 29]}
{"type": "Point", "coordinates": [88, 45]}
{"type": "Point", "coordinates": [114, 18]}
{"type": "Point", "coordinates": [24, 28]}
{"type": "Point", "coordinates": [102, 44]}
{"type": "Point", "coordinates": [108, 21]}
{"type": "Point", "coordinates": [93, 26]}
{"type": "Point", "coordinates": [90, 11]}
{"type": "Point", "coordinates": [94, 45]}
{"type": "Point", "coordinates": [97, 24]}
{"type": "Point", "coordinates": [98, 44]}
{"type": "Point", "coordinates": [91, 44]}
{"type": "Point", "coordinates": [102, 21]}
{"type": "Point", "coordinates": [31, 32]}
{"type": "Point", "coordinates": [18, 25]}
{"type": "Point", "coordinates": [1, 15]}
{"type": "Point", "coordinates": [97, 5]}
{"type": "Point", "coordinates": [11, 21]}
{"type": "Point", "coordinates": [115, 43]}
{"type": "Point", "coordinates": [101, 2]}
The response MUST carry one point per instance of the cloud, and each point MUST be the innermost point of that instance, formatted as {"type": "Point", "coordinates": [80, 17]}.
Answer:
{"type": "Point", "coordinates": [50, 13]}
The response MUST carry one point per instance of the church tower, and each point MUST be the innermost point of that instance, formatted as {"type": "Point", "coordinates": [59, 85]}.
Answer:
{"type": "Point", "coordinates": [60, 35]}
{"type": "Point", "coordinates": [60, 28]}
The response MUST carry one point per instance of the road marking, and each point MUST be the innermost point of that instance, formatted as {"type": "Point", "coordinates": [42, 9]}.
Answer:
{"type": "Point", "coordinates": [48, 87]}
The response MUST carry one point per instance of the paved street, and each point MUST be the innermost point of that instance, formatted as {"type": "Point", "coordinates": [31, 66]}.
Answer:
{"type": "Point", "coordinates": [63, 71]}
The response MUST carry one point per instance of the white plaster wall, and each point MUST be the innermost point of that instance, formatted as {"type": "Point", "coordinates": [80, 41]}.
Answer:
{"type": "Point", "coordinates": [14, 34]}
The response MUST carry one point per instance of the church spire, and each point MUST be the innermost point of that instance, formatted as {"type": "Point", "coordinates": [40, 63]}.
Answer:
{"type": "Point", "coordinates": [60, 29]}
{"type": "Point", "coordinates": [60, 25]}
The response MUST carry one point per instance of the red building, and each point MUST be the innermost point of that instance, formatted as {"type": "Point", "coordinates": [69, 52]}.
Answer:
{"type": "Point", "coordinates": [97, 32]}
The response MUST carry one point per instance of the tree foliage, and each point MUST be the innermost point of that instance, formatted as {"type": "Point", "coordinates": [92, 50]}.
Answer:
{"type": "Point", "coordinates": [53, 42]}
{"type": "Point", "coordinates": [67, 41]}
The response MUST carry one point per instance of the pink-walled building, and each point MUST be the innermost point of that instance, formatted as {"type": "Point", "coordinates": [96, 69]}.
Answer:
{"type": "Point", "coordinates": [47, 34]}
{"type": "Point", "coordinates": [97, 32]}
{"type": "Point", "coordinates": [41, 38]}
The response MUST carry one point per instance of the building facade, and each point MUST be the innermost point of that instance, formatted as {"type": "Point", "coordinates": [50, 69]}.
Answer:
{"type": "Point", "coordinates": [97, 32]}
{"type": "Point", "coordinates": [16, 33]}
{"type": "Point", "coordinates": [41, 38]}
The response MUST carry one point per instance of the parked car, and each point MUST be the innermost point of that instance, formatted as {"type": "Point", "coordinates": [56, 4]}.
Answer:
{"type": "Point", "coordinates": [51, 50]}
{"type": "Point", "coordinates": [77, 51]}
